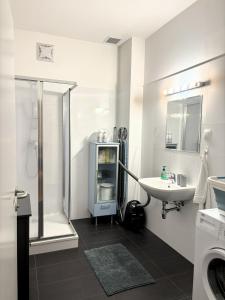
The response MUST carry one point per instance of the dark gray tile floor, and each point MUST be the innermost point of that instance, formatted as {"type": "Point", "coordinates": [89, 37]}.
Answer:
{"type": "Point", "coordinates": [66, 275]}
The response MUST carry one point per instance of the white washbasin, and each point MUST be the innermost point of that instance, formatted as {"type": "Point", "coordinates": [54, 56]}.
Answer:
{"type": "Point", "coordinates": [165, 190]}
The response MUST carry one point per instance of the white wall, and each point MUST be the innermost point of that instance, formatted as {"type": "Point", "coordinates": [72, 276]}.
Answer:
{"type": "Point", "coordinates": [91, 110]}
{"type": "Point", "coordinates": [123, 84]}
{"type": "Point", "coordinates": [90, 64]}
{"type": "Point", "coordinates": [136, 108]}
{"type": "Point", "coordinates": [94, 67]}
{"type": "Point", "coordinates": [193, 36]}
{"type": "Point", "coordinates": [129, 103]}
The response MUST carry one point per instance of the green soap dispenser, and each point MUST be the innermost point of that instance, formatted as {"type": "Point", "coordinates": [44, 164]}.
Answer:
{"type": "Point", "coordinates": [164, 173]}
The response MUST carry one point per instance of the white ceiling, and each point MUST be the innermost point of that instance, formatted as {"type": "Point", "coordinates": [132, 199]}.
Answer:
{"type": "Point", "coordinates": [94, 20]}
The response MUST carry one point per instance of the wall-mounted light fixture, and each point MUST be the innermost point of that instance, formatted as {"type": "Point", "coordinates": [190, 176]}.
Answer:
{"type": "Point", "coordinates": [190, 86]}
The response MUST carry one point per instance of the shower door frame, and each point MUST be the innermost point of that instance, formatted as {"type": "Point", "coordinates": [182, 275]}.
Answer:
{"type": "Point", "coordinates": [40, 90]}
{"type": "Point", "coordinates": [64, 155]}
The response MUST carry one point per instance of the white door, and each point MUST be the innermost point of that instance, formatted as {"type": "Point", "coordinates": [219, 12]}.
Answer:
{"type": "Point", "coordinates": [8, 257]}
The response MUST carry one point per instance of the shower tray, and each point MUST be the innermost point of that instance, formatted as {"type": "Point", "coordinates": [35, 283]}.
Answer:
{"type": "Point", "coordinates": [59, 234]}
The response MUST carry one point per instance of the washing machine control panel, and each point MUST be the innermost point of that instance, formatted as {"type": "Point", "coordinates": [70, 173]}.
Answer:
{"type": "Point", "coordinates": [207, 224]}
{"type": "Point", "coordinates": [213, 222]}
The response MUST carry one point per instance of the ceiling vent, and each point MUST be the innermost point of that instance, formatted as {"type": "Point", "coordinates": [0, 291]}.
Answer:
{"type": "Point", "coordinates": [112, 40]}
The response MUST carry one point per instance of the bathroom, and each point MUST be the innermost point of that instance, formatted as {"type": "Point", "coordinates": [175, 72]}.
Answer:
{"type": "Point", "coordinates": [71, 85]}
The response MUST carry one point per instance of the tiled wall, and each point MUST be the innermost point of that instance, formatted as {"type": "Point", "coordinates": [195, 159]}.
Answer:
{"type": "Point", "coordinates": [91, 110]}
{"type": "Point", "coordinates": [179, 228]}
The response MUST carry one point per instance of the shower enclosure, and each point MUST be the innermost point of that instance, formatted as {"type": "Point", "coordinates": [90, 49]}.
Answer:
{"type": "Point", "coordinates": [43, 154]}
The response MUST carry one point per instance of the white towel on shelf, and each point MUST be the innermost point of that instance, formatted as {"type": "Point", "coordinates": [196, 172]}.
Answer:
{"type": "Point", "coordinates": [202, 188]}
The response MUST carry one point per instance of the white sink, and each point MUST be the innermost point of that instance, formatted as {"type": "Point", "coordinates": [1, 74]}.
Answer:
{"type": "Point", "coordinates": [165, 190]}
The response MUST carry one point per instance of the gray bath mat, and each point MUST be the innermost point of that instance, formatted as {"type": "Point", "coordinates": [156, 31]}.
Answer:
{"type": "Point", "coordinates": [117, 269]}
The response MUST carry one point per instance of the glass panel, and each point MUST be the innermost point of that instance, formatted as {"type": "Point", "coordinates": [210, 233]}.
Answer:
{"type": "Point", "coordinates": [216, 277]}
{"type": "Point", "coordinates": [106, 174]}
{"type": "Point", "coordinates": [27, 145]}
{"type": "Point", "coordinates": [52, 155]}
{"type": "Point", "coordinates": [66, 153]}
{"type": "Point", "coordinates": [55, 220]}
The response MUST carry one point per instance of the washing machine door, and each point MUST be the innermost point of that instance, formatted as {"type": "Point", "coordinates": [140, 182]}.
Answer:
{"type": "Point", "coordinates": [213, 274]}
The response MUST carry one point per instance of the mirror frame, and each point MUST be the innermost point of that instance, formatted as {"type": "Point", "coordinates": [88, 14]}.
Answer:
{"type": "Point", "coordinates": [199, 127]}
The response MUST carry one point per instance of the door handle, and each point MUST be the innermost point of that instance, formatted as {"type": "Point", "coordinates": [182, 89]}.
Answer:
{"type": "Point", "coordinates": [17, 191]}
{"type": "Point", "coordinates": [20, 193]}
{"type": "Point", "coordinates": [15, 203]}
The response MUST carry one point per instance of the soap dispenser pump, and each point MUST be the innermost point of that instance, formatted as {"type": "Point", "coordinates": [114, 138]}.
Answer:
{"type": "Point", "coordinates": [164, 173]}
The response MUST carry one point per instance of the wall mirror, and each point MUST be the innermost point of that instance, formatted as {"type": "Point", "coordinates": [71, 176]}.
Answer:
{"type": "Point", "coordinates": [183, 126]}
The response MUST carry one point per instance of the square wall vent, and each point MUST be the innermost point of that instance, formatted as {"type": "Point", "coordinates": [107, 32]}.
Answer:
{"type": "Point", "coordinates": [112, 40]}
{"type": "Point", "coordinates": [45, 52]}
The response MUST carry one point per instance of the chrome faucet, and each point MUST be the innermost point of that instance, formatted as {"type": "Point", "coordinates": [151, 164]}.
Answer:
{"type": "Point", "coordinates": [172, 177]}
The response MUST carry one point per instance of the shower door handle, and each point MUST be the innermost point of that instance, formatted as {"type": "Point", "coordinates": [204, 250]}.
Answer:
{"type": "Point", "coordinates": [15, 203]}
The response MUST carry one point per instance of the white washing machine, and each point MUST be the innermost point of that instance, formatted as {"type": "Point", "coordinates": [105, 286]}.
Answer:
{"type": "Point", "coordinates": [209, 267]}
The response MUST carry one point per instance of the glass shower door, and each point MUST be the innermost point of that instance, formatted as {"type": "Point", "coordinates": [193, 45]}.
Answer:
{"type": "Point", "coordinates": [27, 144]}
{"type": "Point", "coordinates": [43, 154]}
{"type": "Point", "coordinates": [56, 159]}
{"type": "Point", "coordinates": [66, 153]}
